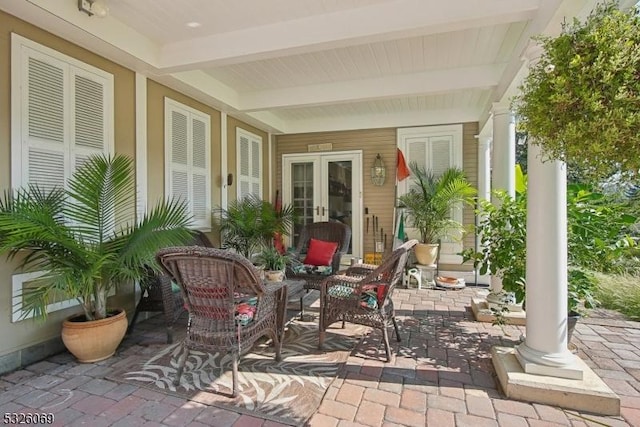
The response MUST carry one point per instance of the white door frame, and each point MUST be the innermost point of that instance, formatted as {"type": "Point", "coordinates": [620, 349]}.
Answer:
{"type": "Point", "coordinates": [320, 160]}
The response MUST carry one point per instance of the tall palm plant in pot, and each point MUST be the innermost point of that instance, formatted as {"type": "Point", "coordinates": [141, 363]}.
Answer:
{"type": "Point", "coordinates": [86, 240]}
{"type": "Point", "coordinates": [430, 202]}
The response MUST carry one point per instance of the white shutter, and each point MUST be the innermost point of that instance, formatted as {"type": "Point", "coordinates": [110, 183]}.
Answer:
{"type": "Point", "coordinates": [248, 164]}
{"type": "Point", "coordinates": [440, 156]}
{"type": "Point", "coordinates": [188, 160]}
{"type": "Point", "coordinates": [201, 176]}
{"type": "Point", "coordinates": [178, 154]}
{"type": "Point", "coordinates": [90, 116]}
{"type": "Point", "coordinates": [44, 129]}
{"type": "Point", "coordinates": [62, 112]}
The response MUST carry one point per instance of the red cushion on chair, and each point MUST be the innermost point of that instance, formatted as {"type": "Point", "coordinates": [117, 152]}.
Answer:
{"type": "Point", "coordinates": [320, 252]}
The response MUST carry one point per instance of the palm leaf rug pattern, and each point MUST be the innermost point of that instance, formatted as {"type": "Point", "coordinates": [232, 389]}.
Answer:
{"type": "Point", "coordinates": [289, 391]}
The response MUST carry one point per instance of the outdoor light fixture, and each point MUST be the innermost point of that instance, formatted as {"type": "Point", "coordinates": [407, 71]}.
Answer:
{"type": "Point", "coordinates": [98, 8]}
{"type": "Point", "coordinates": [378, 171]}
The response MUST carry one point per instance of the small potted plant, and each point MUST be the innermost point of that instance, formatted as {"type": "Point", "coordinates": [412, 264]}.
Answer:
{"type": "Point", "coordinates": [251, 223]}
{"type": "Point", "coordinates": [273, 262]}
{"type": "Point", "coordinates": [429, 203]}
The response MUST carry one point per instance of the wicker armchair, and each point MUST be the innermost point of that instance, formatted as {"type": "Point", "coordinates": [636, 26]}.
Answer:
{"type": "Point", "coordinates": [159, 296]}
{"type": "Point", "coordinates": [327, 231]}
{"type": "Point", "coordinates": [215, 283]}
{"type": "Point", "coordinates": [357, 295]}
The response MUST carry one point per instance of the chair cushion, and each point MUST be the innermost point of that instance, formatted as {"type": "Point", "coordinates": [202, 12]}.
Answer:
{"type": "Point", "coordinates": [245, 310]}
{"type": "Point", "coordinates": [320, 252]}
{"type": "Point", "coordinates": [323, 270]}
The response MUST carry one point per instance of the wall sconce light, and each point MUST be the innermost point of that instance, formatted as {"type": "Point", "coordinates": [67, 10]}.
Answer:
{"type": "Point", "coordinates": [378, 171]}
{"type": "Point", "coordinates": [98, 8]}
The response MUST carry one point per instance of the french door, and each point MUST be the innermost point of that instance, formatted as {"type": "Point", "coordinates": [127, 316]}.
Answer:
{"type": "Point", "coordinates": [325, 187]}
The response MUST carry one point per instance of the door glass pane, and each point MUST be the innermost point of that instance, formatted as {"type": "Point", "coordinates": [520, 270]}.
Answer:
{"type": "Point", "coordinates": [302, 195]}
{"type": "Point", "coordinates": [340, 194]}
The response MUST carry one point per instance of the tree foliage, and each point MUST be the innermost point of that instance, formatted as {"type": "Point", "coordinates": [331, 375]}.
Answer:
{"type": "Point", "coordinates": [581, 100]}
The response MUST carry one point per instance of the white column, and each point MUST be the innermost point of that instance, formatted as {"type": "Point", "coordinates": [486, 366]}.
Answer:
{"type": "Point", "coordinates": [484, 167]}
{"type": "Point", "coordinates": [141, 145]}
{"type": "Point", "coordinates": [224, 195]}
{"type": "Point", "coordinates": [484, 182]}
{"type": "Point", "coordinates": [503, 164]}
{"type": "Point", "coordinates": [504, 150]}
{"type": "Point", "coordinates": [545, 348]}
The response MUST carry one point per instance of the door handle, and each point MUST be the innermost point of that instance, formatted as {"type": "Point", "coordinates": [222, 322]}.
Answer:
{"type": "Point", "coordinates": [323, 211]}
{"type": "Point", "coordinates": [317, 210]}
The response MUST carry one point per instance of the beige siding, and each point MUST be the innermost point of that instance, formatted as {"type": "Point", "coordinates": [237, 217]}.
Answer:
{"type": "Point", "coordinates": [380, 201]}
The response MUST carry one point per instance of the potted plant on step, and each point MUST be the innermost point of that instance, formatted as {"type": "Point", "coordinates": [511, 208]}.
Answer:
{"type": "Point", "coordinates": [251, 223]}
{"type": "Point", "coordinates": [86, 241]}
{"type": "Point", "coordinates": [429, 204]}
{"type": "Point", "coordinates": [273, 263]}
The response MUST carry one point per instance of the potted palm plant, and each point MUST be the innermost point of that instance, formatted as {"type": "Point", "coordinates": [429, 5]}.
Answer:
{"type": "Point", "coordinates": [251, 223]}
{"type": "Point", "coordinates": [429, 204]}
{"type": "Point", "coordinates": [86, 240]}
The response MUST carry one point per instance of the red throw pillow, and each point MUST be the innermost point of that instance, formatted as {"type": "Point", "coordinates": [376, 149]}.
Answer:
{"type": "Point", "coordinates": [320, 252]}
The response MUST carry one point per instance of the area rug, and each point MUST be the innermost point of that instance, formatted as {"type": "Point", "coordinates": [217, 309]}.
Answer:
{"type": "Point", "coordinates": [288, 392]}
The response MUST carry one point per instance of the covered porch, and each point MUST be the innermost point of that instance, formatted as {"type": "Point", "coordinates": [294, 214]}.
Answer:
{"type": "Point", "coordinates": [441, 374]}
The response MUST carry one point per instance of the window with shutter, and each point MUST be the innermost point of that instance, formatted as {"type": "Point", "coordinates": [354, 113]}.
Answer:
{"type": "Point", "coordinates": [188, 160]}
{"type": "Point", "coordinates": [248, 163]}
{"type": "Point", "coordinates": [435, 148]}
{"type": "Point", "coordinates": [62, 112]}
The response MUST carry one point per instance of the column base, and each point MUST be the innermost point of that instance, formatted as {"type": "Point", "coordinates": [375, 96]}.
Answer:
{"type": "Point", "coordinates": [483, 313]}
{"type": "Point", "coordinates": [561, 365]}
{"type": "Point", "coordinates": [590, 394]}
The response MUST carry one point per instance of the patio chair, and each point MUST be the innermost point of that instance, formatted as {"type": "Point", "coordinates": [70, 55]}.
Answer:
{"type": "Point", "coordinates": [229, 306]}
{"type": "Point", "coordinates": [160, 295]}
{"type": "Point", "coordinates": [363, 296]}
{"type": "Point", "coordinates": [324, 231]}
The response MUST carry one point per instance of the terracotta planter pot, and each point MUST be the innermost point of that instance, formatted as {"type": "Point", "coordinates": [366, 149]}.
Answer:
{"type": "Point", "coordinates": [426, 253]}
{"type": "Point", "coordinates": [94, 340]}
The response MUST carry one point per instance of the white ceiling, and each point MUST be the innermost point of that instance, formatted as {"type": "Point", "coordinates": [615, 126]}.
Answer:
{"type": "Point", "coordinates": [291, 66]}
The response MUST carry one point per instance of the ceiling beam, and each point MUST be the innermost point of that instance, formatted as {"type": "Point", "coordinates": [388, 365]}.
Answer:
{"type": "Point", "coordinates": [373, 121]}
{"type": "Point", "coordinates": [417, 84]}
{"type": "Point", "coordinates": [374, 23]}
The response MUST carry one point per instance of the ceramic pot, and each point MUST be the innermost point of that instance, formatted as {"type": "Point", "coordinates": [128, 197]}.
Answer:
{"type": "Point", "coordinates": [426, 253]}
{"type": "Point", "coordinates": [94, 340]}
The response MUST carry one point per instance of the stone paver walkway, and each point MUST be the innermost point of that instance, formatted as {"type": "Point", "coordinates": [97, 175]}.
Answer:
{"type": "Point", "coordinates": [441, 375]}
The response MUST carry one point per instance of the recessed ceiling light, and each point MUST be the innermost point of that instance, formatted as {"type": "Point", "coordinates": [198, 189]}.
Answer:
{"type": "Point", "coordinates": [193, 24]}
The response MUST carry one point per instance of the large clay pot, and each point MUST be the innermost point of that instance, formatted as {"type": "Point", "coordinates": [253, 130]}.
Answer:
{"type": "Point", "coordinates": [426, 253]}
{"type": "Point", "coordinates": [94, 340]}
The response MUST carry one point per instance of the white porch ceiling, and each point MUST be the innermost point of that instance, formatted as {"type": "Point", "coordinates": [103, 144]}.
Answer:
{"type": "Point", "coordinates": [310, 65]}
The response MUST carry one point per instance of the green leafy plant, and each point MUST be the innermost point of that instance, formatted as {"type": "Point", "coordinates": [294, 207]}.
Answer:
{"type": "Point", "coordinates": [502, 230]}
{"type": "Point", "coordinates": [596, 237]}
{"type": "Point", "coordinates": [271, 259]}
{"type": "Point", "coordinates": [430, 201]}
{"type": "Point", "coordinates": [86, 237]}
{"type": "Point", "coordinates": [250, 223]}
{"type": "Point", "coordinates": [581, 101]}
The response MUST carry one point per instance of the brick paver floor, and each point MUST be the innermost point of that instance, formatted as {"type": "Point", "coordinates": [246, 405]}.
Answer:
{"type": "Point", "coordinates": [440, 375]}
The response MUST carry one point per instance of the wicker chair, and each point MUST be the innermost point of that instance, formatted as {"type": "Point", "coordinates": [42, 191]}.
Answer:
{"type": "Point", "coordinates": [327, 231]}
{"type": "Point", "coordinates": [213, 282]}
{"type": "Point", "coordinates": [343, 296]}
{"type": "Point", "coordinates": [159, 296]}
